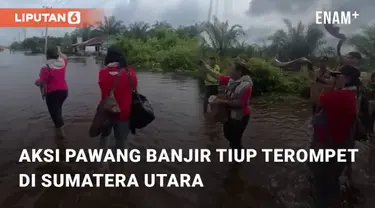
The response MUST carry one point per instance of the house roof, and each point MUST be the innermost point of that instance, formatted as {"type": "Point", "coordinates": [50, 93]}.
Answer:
{"type": "Point", "coordinates": [92, 41]}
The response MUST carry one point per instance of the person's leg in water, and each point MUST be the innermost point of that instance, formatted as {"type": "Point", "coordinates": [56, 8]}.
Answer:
{"type": "Point", "coordinates": [327, 191]}
{"type": "Point", "coordinates": [121, 131]}
{"type": "Point", "coordinates": [233, 131]}
{"type": "Point", "coordinates": [54, 101]}
{"type": "Point", "coordinates": [210, 90]}
{"type": "Point", "coordinates": [227, 129]}
{"type": "Point", "coordinates": [103, 144]}
{"type": "Point", "coordinates": [327, 183]}
{"type": "Point", "coordinates": [237, 129]}
{"type": "Point", "coordinates": [62, 98]}
{"type": "Point", "coordinates": [335, 189]}
{"type": "Point", "coordinates": [320, 182]}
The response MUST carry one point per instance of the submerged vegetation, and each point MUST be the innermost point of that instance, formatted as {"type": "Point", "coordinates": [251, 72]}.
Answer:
{"type": "Point", "coordinates": [161, 47]}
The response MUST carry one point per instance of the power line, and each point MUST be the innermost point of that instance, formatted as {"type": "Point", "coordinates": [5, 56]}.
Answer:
{"type": "Point", "coordinates": [24, 33]}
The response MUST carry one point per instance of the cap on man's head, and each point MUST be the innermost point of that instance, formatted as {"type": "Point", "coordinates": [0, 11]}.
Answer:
{"type": "Point", "coordinates": [355, 54]}
{"type": "Point", "coordinates": [347, 70]}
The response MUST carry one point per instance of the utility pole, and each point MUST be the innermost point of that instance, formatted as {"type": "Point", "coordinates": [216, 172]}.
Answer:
{"type": "Point", "coordinates": [210, 10]}
{"type": "Point", "coordinates": [24, 34]}
{"type": "Point", "coordinates": [217, 8]}
{"type": "Point", "coordinates": [46, 35]}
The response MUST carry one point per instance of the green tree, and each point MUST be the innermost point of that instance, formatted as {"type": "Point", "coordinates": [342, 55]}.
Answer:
{"type": "Point", "coordinates": [221, 36]}
{"type": "Point", "coordinates": [365, 43]}
{"type": "Point", "coordinates": [138, 29]}
{"type": "Point", "coordinates": [298, 41]}
{"type": "Point", "coordinates": [111, 26]}
{"type": "Point", "coordinates": [161, 30]}
{"type": "Point", "coordinates": [16, 46]}
{"type": "Point", "coordinates": [190, 31]}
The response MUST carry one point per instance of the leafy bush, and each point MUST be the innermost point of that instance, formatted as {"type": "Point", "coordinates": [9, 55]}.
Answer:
{"type": "Point", "coordinates": [171, 53]}
{"type": "Point", "coordinates": [269, 79]}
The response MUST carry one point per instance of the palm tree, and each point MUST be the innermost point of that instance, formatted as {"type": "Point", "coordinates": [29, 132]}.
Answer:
{"type": "Point", "coordinates": [189, 31]}
{"type": "Point", "coordinates": [365, 42]}
{"type": "Point", "coordinates": [221, 36]}
{"type": "Point", "coordinates": [296, 42]}
{"type": "Point", "coordinates": [160, 30]}
{"type": "Point", "coordinates": [327, 51]}
{"type": "Point", "coordinates": [162, 24]}
{"type": "Point", "coordinates": [83, 32]}
{"type": "Point", "coordinates": [139, 29]}
{"type": "Point", "coordinates": [111, 26]}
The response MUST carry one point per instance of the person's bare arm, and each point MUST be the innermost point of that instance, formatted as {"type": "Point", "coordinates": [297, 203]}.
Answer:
{"type": "Point", "coordinates": [60, 53]}
{"type": "Point", "coordinates": [207, 68]}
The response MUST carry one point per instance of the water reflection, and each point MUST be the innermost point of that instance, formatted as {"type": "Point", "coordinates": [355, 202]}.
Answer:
{"type": "Point", "coordinates": [233, 188]}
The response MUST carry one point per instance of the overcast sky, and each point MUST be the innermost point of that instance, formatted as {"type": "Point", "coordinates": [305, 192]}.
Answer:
{"type": "Point", "coordinates": [258, 17]}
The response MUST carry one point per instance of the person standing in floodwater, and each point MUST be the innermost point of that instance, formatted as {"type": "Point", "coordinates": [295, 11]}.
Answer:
{"type": "Point", "coordinates": [335, 128]}
{"type": "Point", "coordinates": [54, 86]}
{"type": "Point", "coordinates": [238, 93]}
{"type": "Point", "coordinates": [211, 83]}
{"type": "Point", "coordinates": [116, 67]}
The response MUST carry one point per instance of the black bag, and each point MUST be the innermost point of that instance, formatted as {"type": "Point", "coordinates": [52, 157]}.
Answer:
{"type": "Point", "coordinates": [105, 113]}
{"type": "Point", "coordinates": [142, 113]}
{"type": "Point", "coordinates": [43, 86]}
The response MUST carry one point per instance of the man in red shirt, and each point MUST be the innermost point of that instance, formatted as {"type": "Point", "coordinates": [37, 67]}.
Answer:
{"type": "Point", "coordinates": [334, 128]}
{"type": "Point", "coordinates": [116, 68]}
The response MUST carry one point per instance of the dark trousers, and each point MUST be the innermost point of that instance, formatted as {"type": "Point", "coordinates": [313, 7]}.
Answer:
{"type": "Point", "coordinates": [209, 90]}
{"type": "Point", "coordinates": [327, 184]}
{"type": "Point", "coordinates": [326, 175]}
{"type": "Point", "coordinates": [233, 131]}
{"type": "Point", "coordinates": [54, 102]}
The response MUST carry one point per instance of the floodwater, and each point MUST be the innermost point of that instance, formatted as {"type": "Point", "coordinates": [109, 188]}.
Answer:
{"type": "Point", "coordinates": [180, 123]}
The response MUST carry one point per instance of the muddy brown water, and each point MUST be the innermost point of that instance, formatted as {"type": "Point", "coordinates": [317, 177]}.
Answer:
{"type": "Point", "coordinates": [180, 123]}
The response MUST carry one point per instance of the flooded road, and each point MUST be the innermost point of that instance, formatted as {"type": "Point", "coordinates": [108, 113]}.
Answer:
{"type": "Point", "coordinates": [180, 123]}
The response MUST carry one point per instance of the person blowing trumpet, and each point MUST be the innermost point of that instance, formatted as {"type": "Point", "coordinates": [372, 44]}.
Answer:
{"type": "Point", "coordinates": [320, 79]}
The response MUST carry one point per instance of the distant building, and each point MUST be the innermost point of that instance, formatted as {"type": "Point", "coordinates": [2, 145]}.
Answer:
{"type": "Point", "coordinates": [92, 45]}
{"type": "Point", "coordinates": [2, 48]}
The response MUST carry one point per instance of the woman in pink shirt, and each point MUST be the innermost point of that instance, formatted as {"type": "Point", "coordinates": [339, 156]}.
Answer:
{"type": "Point", "coordinates": [238, 93]}
{"type": "Point", "coordinates": [54, 87]}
